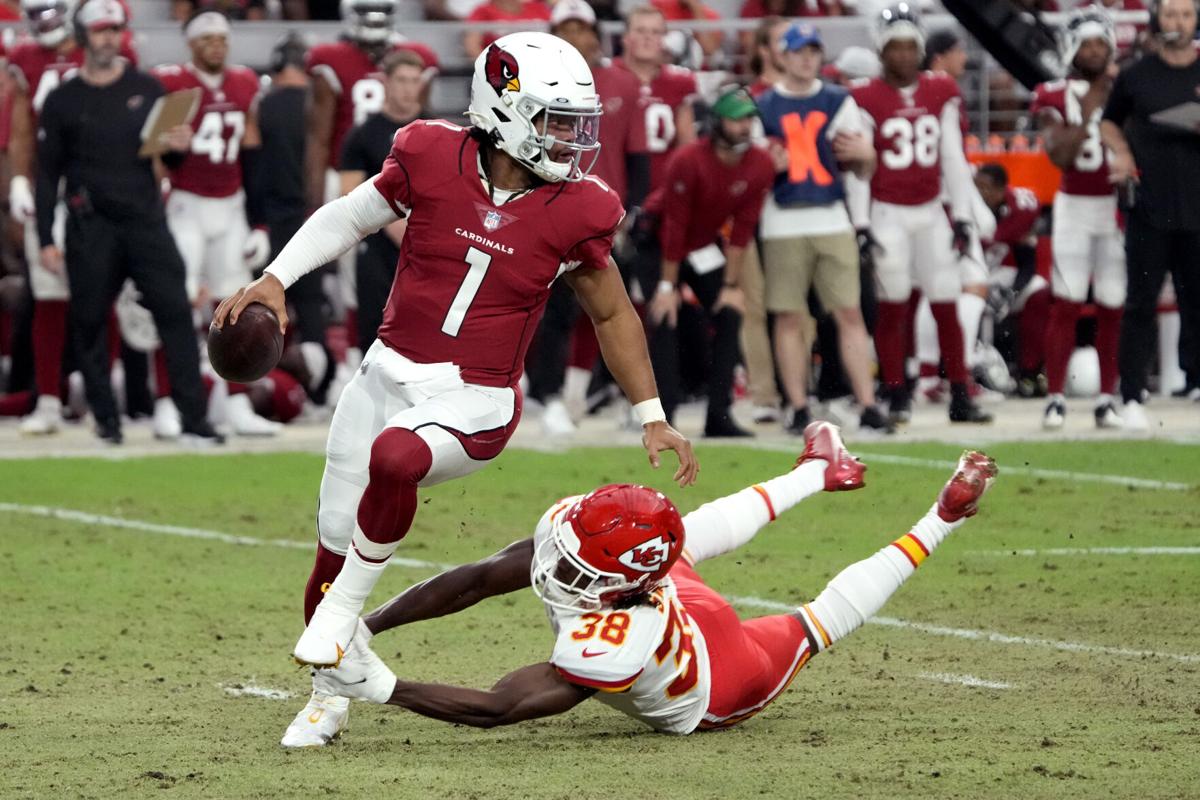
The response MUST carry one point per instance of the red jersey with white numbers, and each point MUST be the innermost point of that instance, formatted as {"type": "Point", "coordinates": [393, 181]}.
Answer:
{"type": "Point", "coordinates": [907, 126]}
{"type": "Point", "coordinates": [1060, 100]}
{"type": "Point", "coordinates": [667, 91]}
{"type": "Point", "coordinates": [212, 167]}
{"type": "Point", "coordinates": [1014, 224]}
{"type": "Point", "coordinates": [39, 70]}
{"type": "Point", "coordinates": [623, 129]}
{"type": "Point", "coordinates": [473, 277]}
{"type": "Point", "coordinates": [356, 82]}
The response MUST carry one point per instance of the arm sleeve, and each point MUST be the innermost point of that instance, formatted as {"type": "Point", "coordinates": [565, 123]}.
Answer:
{"type": "Point", "coordinates": [956, 173]}
{"type": "Point", "coordinates": [858, 200]}
{"type": "Point", "coordinates": [331, 231]}
{"type": "Point", "coordinates": [51, 155]}
{"type": "Point", "coordinates": [848, 119]}
{"type": "Point", "coordinates": [676, 210]}
{"type": "Point", "coordinates": [745, 217]}
{"type": "Point", "coordinates": [1120, 101]}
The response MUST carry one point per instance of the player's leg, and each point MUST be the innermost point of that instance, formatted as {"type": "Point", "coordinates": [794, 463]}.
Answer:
{"type": "Point", "coordinates": [727, 324]}
{"type": "Point", "coordinates": [725, 524]}
{"type": "Point", "coordinates": [1071, 244]}
{"type": "Point", "coordinates": [1108, 290]}
{"type": "Point", "coordinates": [893, 279]}
{"type": "Point", "coordinates": [49, 330]}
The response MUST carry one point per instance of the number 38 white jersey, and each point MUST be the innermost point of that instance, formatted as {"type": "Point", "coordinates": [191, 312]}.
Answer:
{"type": "Point", "coordinates": [648, 661]}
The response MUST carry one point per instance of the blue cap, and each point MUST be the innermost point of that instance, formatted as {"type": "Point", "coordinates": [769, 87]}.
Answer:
{"type": "Point", "coordinates": [801, 35]}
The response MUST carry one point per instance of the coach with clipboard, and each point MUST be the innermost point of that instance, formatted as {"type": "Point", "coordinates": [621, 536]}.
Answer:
{"type": "Point", "coordinates": [90, 134]}
{"type": "Point", "coordinates": [1151, 127]}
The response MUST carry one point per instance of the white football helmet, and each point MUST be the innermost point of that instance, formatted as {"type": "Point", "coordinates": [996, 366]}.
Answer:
{"type": "Point", "coordinates": [899, 21]}
{"type": "Point", "coordinates": [1090, 22]}
{"type": "Point", "coordinates": [524, 82]}
{"type": "Point", "coordinates": [369, 21]}
{"type": "Point", "coordinates": [49, 20]}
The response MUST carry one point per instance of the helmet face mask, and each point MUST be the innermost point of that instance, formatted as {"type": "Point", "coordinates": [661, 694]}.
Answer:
{"type": "Point", "coordinates": [369, 21]}
{"type": "Point", "coordinates": [49, 20]}
{"type": "Point", "coordinates": [534, 94]}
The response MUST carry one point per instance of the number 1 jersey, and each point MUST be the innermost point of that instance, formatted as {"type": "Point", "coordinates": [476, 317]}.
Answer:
{"type": "Point", "coordinates": [473, 276]}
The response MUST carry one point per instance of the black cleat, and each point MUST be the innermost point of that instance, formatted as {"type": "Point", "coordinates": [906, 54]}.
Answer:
{"type": "Point", "coordinates": [724, 428]}
{"type": "Point", "coordinates": [873, 419]}
{"type": "Point", "coordinates": [900, 405]}
{"type": "Point", "coordinates": [797, 420]}
{"type": "Point", "coordinates": [201, 434]}
{"type": "Point", "coordinates": [963, 409]}
{"type": "Point", "coordinates": [109, 430]}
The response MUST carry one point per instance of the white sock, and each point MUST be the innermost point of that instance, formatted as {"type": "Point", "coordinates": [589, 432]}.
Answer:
{"type": "Point", "coordinates": [1103, 400]}
{"type": "Point", "coordinates": [970, 315]}
{"type": "Point", "coordinates": [928, 351]}
{"type": "Point", "coordinates": [1057, 398]}
{"type": "Point", "coordinates": [575, 386]}
{"type": "Point", "coordinates": [861, 589]}
{"type": "Point", "coordinates": [727, 523]}
{"type": "Point", "coordinates": [315, 361]}
{"type": "Point", "coordinates": [349, 590]}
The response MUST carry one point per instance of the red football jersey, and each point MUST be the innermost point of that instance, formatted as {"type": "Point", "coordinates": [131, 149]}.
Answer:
{"type": "Point", "coordinates": [623, 127]}
{"type": "Point", "coordinates": [1014, 224]}
{"type": "Point", "coordinates": [39, 70]}
{"type": "Point", "coordinates": [907, 125]}
{"type": "Point", "coordinates": [473, 277]}
{"type": "Point", "coordinates": [212, 168]}
{"type": "Point", "coordinates": [1089, 174]}
{"type": "Point", "coordinates": [355, 80]}
{"type": "Point", "coordinates": [668, 90]}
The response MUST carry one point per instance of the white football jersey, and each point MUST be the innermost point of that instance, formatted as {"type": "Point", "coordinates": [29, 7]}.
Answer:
{"type": "Point", "coordinates": [648, 661]}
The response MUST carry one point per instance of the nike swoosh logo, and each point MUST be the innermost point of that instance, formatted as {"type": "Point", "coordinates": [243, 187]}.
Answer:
{"type": "Point", "coordinates": [356, 683]}
{"type": "Point", "coordinates": [589, 654]}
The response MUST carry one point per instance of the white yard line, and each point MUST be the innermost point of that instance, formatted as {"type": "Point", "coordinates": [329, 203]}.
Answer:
{"type": "Point", "coordinates": [87, 518]}
{"type": "Point", "coordinates": [1092, 551]}
{"type": "Point", "coordinates": [251, 690]}
{"type": "Point", "coordinates": [963, 680]}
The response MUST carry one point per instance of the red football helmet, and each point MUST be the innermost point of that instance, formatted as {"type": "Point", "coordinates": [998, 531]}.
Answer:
{"type": "Point", "coordinates": [619, 540]}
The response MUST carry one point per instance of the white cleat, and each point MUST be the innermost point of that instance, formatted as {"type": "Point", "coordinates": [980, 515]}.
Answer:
{"type": "Point", "coordinates": [556, 420]}
{"type": "Point", "coordinates": [327, 638]}
{"type": "Point", "coordinates": [361, 674]}
{"type": "Point", "coordinates": [45, 419]}
{"type": "Point", "coordinates": [1135, 417]}
{"type": "Point", "coordinates": [1107, 417]}
{"type": "Point", "coordinates": [319, 722]}
{"type": "Point", "coordinates": [168, 424]}
{"type": "Point", "coordinates": [1055, 416]}
{"type": "Point", "coordinates": [245, 422]}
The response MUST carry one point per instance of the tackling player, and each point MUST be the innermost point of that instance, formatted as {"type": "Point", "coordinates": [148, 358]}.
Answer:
{"type": "Point", "coordinates": [635, 626]}
{"type": "Point", "coordinates": [1088, 246]}
{"type": "Point", "coordinates": [917, 128]}
{"type": "Point", "coordinates": [496, 213]}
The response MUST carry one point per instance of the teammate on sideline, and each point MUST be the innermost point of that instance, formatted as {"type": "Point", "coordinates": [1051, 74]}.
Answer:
{"type": "Point", "coordinates": [496, 213]}
{"type": "Point", "coordinates": [635, 626]}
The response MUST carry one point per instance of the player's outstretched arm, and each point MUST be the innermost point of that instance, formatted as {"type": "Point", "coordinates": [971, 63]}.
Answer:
{"type": "Point", "coordinates": [456, 589]}
{"type": "Point", "coordinates": [623, 345]}
{"type": "Point", "coordinates": [528, 693]}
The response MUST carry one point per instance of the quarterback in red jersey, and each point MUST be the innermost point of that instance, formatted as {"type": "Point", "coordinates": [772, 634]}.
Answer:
{"type": "Point", "coordinates": [634, 625]}
{"type": "Point", "coordinates": [667, 90]}
{"type": "Point", "coordinates": [496, 213]}
{"type": "Point", "coordinates": [1089, 249]}
{"type": "Point", "coordinates": [36, 66]}
{"type": "Point", "coordinates": [916, 122]}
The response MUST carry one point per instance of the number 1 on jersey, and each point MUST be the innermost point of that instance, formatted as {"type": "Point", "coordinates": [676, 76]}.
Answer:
{"type": "Point", "coordinates": [479, 262]}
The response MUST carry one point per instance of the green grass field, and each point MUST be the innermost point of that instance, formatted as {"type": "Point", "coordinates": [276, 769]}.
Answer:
{"type": "Point", "coordinates": [120, 644]}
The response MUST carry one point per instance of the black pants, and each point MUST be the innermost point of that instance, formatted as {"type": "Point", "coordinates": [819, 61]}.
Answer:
{"type": "Point", "coordinates": [1150, 253]}
{"type": "Point", "coordinates": [665, 343]}
{"type": "Point", "coordinates": [547, 364]}
{"type": "Point", "coordinates": [374, 271]}
{"type": "Point", "coordinates": [306, 296]}
{"type": "Point", "coordinates": [101, 254]}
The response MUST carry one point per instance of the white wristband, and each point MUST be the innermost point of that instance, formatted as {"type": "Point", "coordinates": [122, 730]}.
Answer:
{"type": "Point", "coordinates": [665, 286]}
{"type": "Point", "coordinates": [649, 411]}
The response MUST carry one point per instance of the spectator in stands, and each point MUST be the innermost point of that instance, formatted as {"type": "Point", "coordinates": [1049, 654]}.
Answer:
{"type": "Point", "coordinates": [501, 11]}
{"type": "Point", "coordinates": [788, 9]}
{"type": "Point", "coordinates": [234, 9]}
{"type": "Point", "coordinates": [312, 9]}
{"type": "Point", "coordinates": [363, 154]}
{"type": "Point", "coordinates": [761, 44]}
{"type": "Point", "coordinates": [944, 52]}
{"type": "Point", "coordinates": [683, 10]}
{"type": "Point", "coordinates": [10, 11]}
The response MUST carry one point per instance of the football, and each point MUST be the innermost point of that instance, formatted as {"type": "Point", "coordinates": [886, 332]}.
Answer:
{"type": "Point", "coordinates": [248, 350]}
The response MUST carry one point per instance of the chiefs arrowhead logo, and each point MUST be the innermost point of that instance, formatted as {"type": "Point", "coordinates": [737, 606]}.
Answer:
{"type": "Point", "coordinates": [500, 68]}
{"type": "Point", "coordinates": [647, 556]}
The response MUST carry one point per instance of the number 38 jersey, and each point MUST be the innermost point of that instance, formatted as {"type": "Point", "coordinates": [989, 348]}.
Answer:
{"type": "Point", "coordinates": [212, 167]}
{"type": "Point", "coordinates": [473, 276]}
{"type": "Point", "coordinates": [649, 661]}
{"type": "Point", "coordinates": [1060, 100]}
{"type": "Point", "coordinates": [908, 126]}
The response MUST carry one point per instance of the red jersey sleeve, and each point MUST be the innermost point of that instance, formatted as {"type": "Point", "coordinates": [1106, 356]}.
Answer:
{"type": "Point", "coordinates": [676, 205]}
{"type": "Point", "coordinates": [603, 217]}
{"type": "Point", "coordinates": [394, 181]}
{"type": "Point", "coordinates": [1047, 99]}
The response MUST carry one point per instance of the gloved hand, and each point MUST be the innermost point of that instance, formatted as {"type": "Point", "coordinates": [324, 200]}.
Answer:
{"type": "Point", "coordinates": [962, 237]}
{"type": "Point", "coordinates": [257, 248]}
{"type": "Point", "coordinates": [21, 205]}
{"type": "Point", "coordinates": [868, 247]}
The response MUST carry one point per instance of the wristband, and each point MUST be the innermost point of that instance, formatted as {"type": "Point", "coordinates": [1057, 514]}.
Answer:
{"type": "Point", "coordinates": [649, 411]}
{"type": "Point", "coordinates": [665, 286]}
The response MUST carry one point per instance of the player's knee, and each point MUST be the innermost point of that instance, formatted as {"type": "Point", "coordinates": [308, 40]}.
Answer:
{"type": "Point", "coordinates": [399, 456]}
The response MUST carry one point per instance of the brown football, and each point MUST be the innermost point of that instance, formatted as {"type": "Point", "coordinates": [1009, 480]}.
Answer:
{"type": "Point", "coordinates": [248, 350]}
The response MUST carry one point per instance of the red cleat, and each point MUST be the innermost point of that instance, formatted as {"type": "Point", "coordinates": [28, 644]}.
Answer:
{"type": "Point", "coordinates": [960, 497]}
{"type": "Point", "coordinates": [845, 472]}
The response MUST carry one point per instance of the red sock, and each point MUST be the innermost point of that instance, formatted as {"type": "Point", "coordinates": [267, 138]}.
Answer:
{"type": "Point", "coordinates": [1108, 332]}
{"type": "Point", "coordinates": [1032, 329]}
{"type": "Point", "coordinates": [352, 327]}
{"type": "Point", "coordinates": [49, 339]}
{"type": "Point", "coordinates": [1060, 341]}
{"type": "Point", "coordinates": [399, 460]}
{"type": "Point", "coordinates": [162, 381]}
{"type": "Point", "coordinates": [17, 404]}
{"type": "Point", "coordinates": [585, 347]}
{"type": "Point", "coordinates": [890, 343]}
{"type": "Point", "coordinates": [950, 341]}
{"type": "Point", "coordinates": [326, 568]}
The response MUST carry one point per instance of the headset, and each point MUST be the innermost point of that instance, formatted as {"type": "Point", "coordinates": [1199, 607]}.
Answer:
{"type": "Point", "coordinates": [1155, 8]}
{"type": "Point", "coordinates": [288, 52]}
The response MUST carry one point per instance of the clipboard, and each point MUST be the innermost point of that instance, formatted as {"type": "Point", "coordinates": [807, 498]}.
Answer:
{"type": "Point", "coordinates": [1185, 116]}
{"type": "Point", "coordinates": [176, 108]}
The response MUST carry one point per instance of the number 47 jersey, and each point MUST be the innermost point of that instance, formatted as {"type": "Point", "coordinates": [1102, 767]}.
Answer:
{"type": "Point", "coordinates": [474, 275]}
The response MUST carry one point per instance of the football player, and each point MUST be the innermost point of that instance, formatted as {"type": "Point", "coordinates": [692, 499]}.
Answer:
{"type": "Point", "coordinates": [635, 626]}
{"type": "Point", "coordinates": [214, 198]}
{"type": "Point", "coordinates": [1088, 246]}
{"type": "Point", "coordinates": [37, 64]}
{"type": "Point", "coordinates": [496, 213]}
{"type": "Point", "coordinates": [915, 119]}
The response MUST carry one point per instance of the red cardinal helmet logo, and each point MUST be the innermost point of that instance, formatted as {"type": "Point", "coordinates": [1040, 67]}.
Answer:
{"type": "Point", "coordinates": [500, 68]}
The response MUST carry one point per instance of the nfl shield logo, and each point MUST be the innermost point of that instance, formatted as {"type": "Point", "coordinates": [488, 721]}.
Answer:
{"type": "Point", "coordinates": [492, 220]}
